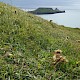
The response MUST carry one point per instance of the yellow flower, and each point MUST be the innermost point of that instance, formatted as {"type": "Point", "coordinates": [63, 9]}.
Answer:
{"type": "Point", "coordinates": [77, 62]}
{"type": "Point", "coordinates": [39, 65]}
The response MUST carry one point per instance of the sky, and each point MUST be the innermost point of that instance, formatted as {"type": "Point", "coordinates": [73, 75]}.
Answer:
{"type": "Point", "coordinates": [41, 3]}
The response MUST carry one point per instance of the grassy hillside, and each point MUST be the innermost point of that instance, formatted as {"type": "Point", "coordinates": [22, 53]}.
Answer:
{"type": "Point", "coordinates": [27, 43]}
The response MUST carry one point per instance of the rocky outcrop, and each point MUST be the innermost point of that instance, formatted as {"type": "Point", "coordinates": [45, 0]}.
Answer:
{"type": "Point", "coordinates": [46, 11]}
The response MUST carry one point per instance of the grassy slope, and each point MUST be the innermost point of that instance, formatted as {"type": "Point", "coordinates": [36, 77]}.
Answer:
{"type": "Point", "coordinates": [31, 40]}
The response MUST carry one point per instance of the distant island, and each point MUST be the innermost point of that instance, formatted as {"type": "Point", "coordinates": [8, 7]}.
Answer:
{"type": "Point", "coordinates": [46, 11]}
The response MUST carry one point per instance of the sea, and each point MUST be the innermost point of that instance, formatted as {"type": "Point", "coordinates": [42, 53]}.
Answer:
{"type": "Point", "coordinates": [71, 17]}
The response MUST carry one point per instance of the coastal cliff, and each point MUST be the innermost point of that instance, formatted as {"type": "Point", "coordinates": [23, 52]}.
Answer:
{"type": "Point", "coordinates": [27, 43]}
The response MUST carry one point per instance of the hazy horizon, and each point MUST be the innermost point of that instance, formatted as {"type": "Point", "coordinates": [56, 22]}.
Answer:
{"type": "Point", "coordinates": [69, 4]}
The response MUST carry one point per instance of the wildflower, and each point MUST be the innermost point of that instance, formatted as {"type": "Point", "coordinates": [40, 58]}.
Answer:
{"type": "Point", "coordinates": [57, 58]}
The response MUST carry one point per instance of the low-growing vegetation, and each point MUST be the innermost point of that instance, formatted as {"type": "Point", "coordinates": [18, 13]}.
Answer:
{"type": "Point", "coordinates": [27, 43]}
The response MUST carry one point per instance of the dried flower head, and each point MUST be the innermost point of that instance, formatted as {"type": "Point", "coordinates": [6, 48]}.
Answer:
{"type": "Point", "coordinates": [58, 51]}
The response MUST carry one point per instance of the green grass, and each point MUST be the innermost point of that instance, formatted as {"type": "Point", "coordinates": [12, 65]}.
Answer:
{"type": "Point", "coordinates": [27, 43]}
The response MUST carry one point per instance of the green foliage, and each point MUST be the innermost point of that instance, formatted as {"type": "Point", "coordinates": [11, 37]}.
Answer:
{"type": "Point", "coordinates": [27, 43]}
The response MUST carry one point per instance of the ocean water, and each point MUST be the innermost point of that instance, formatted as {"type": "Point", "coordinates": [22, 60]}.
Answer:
{"type": "Point", "coordinates": [71, 18]}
